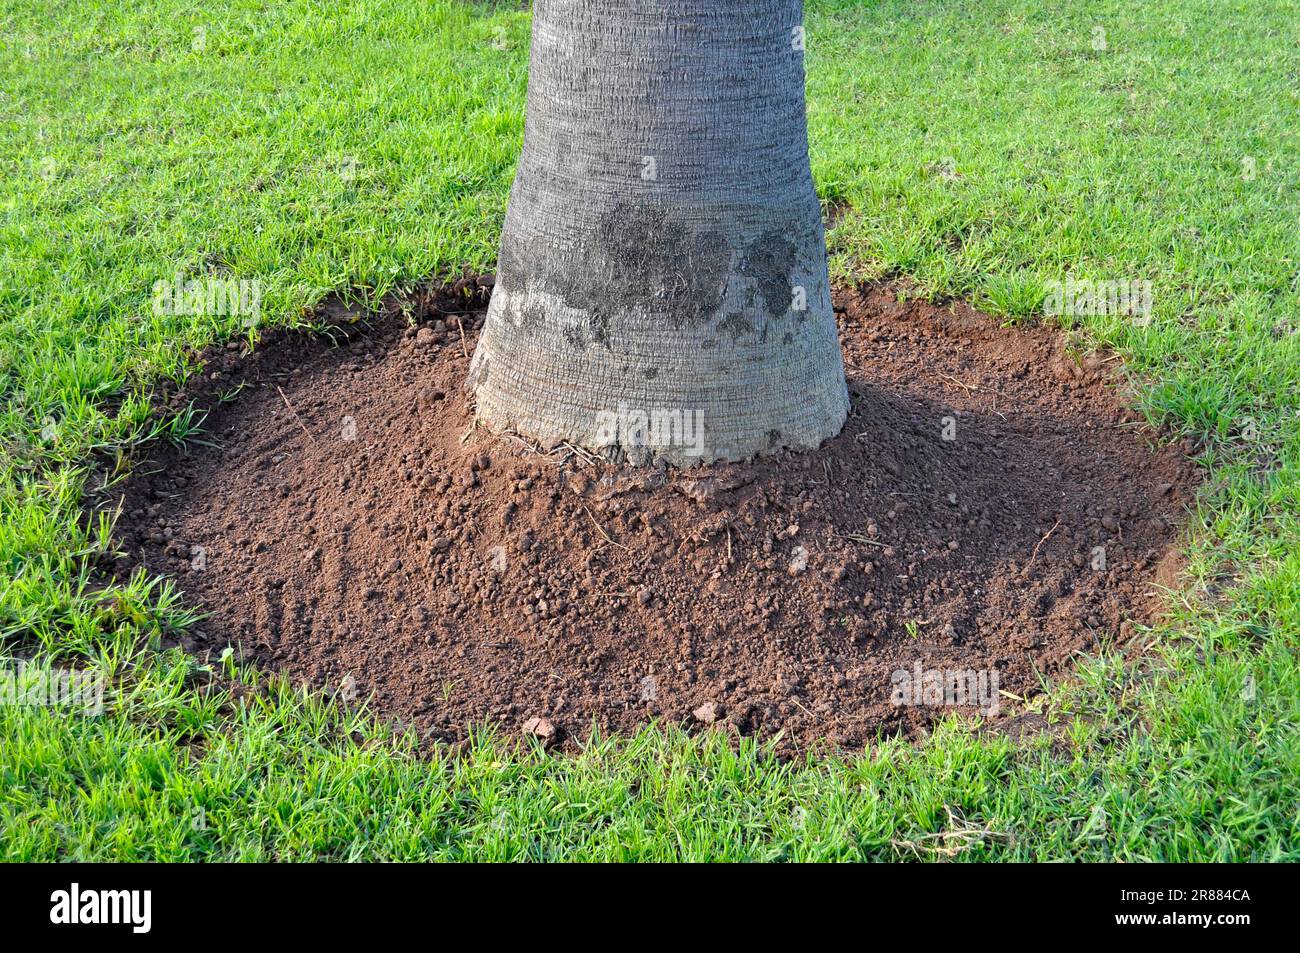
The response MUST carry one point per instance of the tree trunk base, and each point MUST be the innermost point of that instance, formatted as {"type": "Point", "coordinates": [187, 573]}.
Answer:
{"type": "Point", "coordinates": [661, 292]}
{"type": "Point", "coordinates": [631, 387]}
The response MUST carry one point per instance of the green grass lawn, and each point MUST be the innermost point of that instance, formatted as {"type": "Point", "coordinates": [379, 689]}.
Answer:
{"type": "Point", "coordinates": [982, 149]}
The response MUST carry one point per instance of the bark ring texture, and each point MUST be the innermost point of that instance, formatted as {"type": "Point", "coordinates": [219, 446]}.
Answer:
{"type": "Point", "coordinates": [661, 289]}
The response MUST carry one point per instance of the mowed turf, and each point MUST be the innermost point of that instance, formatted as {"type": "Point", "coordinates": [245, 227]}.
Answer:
{"type": "Point", "coordinates": [978, 149]}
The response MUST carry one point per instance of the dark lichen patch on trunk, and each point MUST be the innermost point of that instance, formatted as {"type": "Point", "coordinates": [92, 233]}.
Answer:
{"type": "Point", "coordinates": [769, 263]}
{"type": "Point", "coordinates": [573, 334]}
{"type": "Point", "coordinates": [650, 262]}
{"type": "Point", "coordinates": [737, 325]}
{"type": "Point", "coordinates": [598, 324]}
{"type": "Point", "coordinates": [531, 315]}
{"type": "Point", "coordinates": [640, 261]}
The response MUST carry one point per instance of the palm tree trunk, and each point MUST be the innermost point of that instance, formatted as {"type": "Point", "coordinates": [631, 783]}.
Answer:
{"type": "Point", "coordinates": [661, 290]}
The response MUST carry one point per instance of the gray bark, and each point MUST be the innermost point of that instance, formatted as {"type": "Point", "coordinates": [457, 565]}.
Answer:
{"type": "Point", "coordinates": [663, 263]}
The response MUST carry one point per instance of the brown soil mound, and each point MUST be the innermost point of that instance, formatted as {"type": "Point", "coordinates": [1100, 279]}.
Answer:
{"type": "Point", "coordinates": [354, 531]}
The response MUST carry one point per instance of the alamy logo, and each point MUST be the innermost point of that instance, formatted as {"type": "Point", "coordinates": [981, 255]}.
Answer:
{"type": "Point", "coordinates": [207, 296]}
{"type": "Point", "coordinates": [42, 687]}
{"type": "Point", "coordinates": [1079, 297]}
{"type": "Point", "coordinates": [977, 688]}
{"type": "Point", "coordinates": [655, 429]}
{"type": "Point", "coordinates": [74, 906]}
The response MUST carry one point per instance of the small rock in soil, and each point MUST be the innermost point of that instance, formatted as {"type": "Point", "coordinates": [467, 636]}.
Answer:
{"type": "Point", "coordinates": [708, 713]}
{"type": "Point", "coordinates": [543, 729]}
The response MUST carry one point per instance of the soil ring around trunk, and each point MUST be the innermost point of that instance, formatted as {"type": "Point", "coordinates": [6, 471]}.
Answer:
{"type": "Point", "coordinates": [991, 510]}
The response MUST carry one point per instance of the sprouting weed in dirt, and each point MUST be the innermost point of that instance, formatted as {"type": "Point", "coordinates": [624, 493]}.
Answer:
{"type": "Point", "coordinates": [339, 333]}
{"type": "Point", "coordinates": [447, 689]}
{"type": "Point", "coordinates": [913, 628]}
{"type": "Point", "coordinates": [226, 396]}
{"type": "Point", "coordinates": [184, 427]}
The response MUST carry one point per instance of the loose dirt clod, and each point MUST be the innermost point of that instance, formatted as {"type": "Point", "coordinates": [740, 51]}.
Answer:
{"type": "Point", "coordinates": [991, 508]}
{"type": "Point", "coordinates": [708, 713]}
{"type": "Point", "coordinates": [542, 729]}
